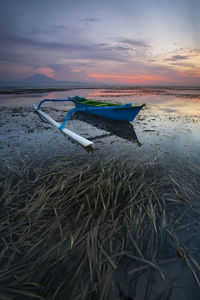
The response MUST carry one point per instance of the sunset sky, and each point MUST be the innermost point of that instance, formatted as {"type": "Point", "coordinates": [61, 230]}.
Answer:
{"type": "Point", "coordinates": [110, 41]}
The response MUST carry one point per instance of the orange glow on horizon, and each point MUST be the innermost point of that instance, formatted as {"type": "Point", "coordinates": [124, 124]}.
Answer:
{"type": "Point", "coordinates": [191, 73]}
{"type": "Point", "coordinates": [139, 79]}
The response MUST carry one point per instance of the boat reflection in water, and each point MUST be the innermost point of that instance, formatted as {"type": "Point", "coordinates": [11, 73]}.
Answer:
{"type": "Point", "coordinates": [124, 130]}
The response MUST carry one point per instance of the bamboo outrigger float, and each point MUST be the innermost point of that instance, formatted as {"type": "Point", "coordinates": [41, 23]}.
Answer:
{"type": "Point", "coordinates": [113, 111]}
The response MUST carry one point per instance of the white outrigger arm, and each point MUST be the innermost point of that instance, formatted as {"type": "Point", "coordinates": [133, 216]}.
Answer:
{"type": "Point", "coordinates": [80, 140]}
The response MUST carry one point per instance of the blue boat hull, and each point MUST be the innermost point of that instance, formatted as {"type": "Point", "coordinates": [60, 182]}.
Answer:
{"type": "Point", "coordinates": [126, 114]}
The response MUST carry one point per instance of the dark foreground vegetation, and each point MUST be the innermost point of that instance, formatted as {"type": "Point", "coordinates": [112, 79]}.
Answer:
{"type": "Point", "coordinates": [67, 230]}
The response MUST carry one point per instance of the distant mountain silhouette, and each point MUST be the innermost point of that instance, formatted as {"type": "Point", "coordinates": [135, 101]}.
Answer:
{"type": "Point", "coordinates": [38, 79]}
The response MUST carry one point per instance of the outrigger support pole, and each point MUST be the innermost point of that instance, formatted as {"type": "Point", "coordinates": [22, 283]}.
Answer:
{"type": "Point", "coordinates": [53, 100]}
{"type": "Point", "coordinates": [67, 117]}
{"type": "Point", "coordinates": [80, 140]}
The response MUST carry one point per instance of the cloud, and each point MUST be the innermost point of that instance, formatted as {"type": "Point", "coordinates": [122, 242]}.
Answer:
{"type": "Point", "coordinates": [12, 70]}
{"type": "Point", "coordinates": [23, 41]}
{"type": "Point", "coordinates": [17, 48]}
{"type": "Point", "coordinates": [134, 43]}
{"type": "Point", "coordinates": [46, 71]}
{"type": "Point", "coordinates": [51, 29]}
{"type": "Point", "coordinates": [178, 57]}
{"type": "Point", "coordinates": [90, 20]}
{"type": "Point", "coordinates": [69, 72]}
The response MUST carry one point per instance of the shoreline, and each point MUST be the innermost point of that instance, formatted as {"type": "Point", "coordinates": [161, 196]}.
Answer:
{"type": "Point", "coordinates": [156, 90]}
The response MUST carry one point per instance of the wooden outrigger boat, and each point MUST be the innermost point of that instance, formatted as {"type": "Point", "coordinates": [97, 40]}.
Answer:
{"type": "Point", "coordinates": [113, 111]}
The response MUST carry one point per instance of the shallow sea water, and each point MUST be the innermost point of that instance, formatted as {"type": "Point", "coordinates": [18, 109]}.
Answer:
{"type": "Point", "coordinates": [168, 125]}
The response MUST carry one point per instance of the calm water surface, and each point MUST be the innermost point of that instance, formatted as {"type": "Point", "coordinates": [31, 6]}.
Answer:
{"type": "Point", "coordinates": [169, 125]}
